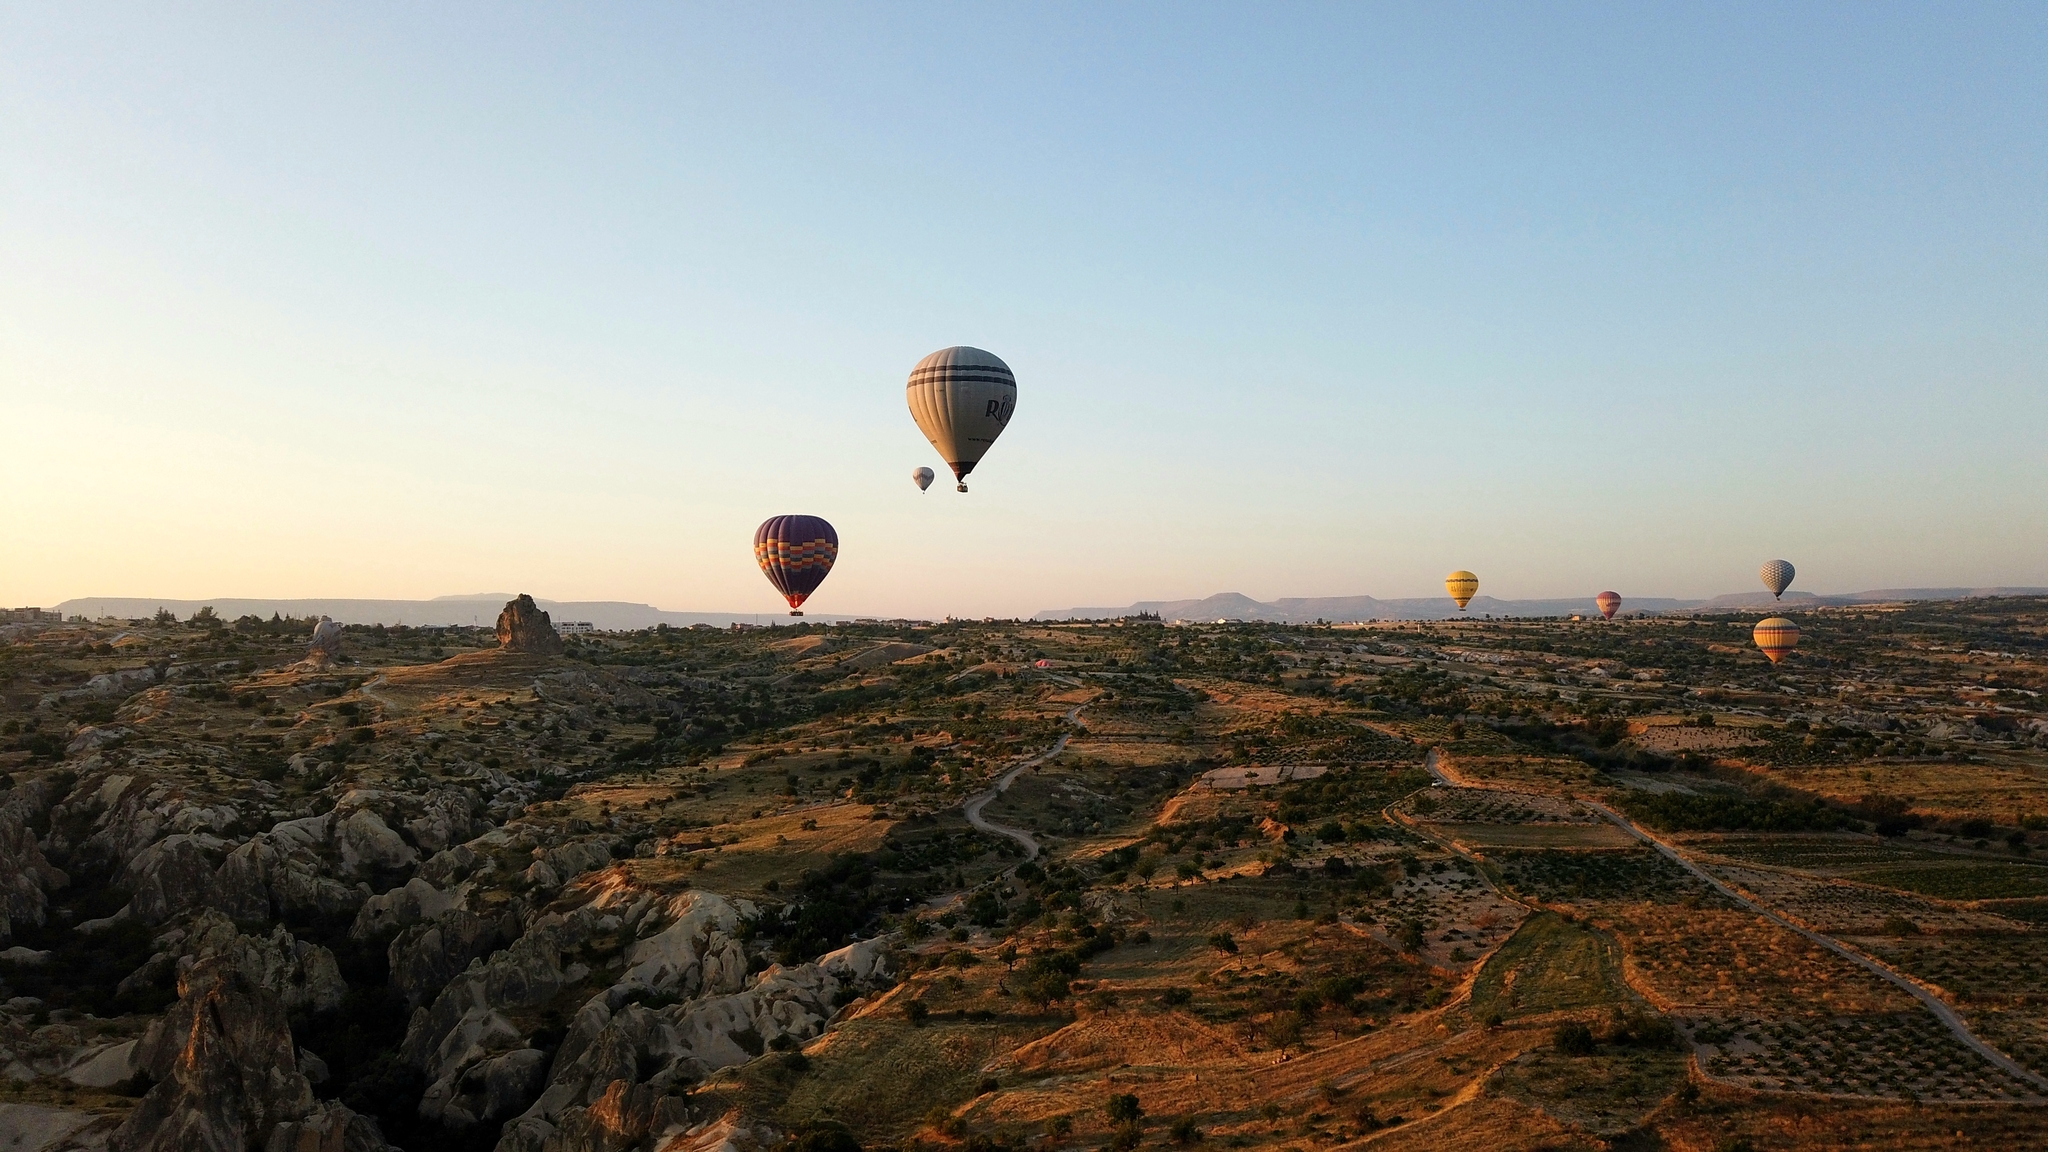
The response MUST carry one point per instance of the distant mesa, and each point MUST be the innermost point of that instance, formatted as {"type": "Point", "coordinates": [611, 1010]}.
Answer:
{"type": "Point", "coordinates": [523, 627]}
{"type": "Point", "coordinates": [1237, 607]}
{"type": "Point", "coordinates": [465, 611]}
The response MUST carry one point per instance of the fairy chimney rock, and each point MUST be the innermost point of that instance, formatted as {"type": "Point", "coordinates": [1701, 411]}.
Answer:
{"type": "Point", "coordinates": [326, 645]}
{"type": "Point", "coordinates": [523, 627]}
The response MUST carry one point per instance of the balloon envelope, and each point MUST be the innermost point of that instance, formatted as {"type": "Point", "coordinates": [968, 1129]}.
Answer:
{"type": "Point", "coordinates": [795, 553]}
{"type": "Point", "coordinates": [1777, 576]}
{"type": "Point", "coordinates": [1608, 603]}
{"type": "Point", "coordinates": [962, 399]}
{"type": "Point", "coordinates": [923, 478]}
{"type": "Point", "coordinates": [1776, 636]}
{"type": "Point", "coordinates": [1462, 586]}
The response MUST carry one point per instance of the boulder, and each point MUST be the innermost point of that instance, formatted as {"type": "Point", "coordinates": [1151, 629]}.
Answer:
{"type": "Point", "coordinates": [426, 957]}
{"type": "Point", "coordinates": [523, 627]}
{"type": "Point", "coordinates": [33, 1128]}
{"type": "Point", "coordinates": [526, 975]}
{"type": "Point", "coordinates": [699, 953]}
{"type": "Point", "coordinates": [367, 844]}
{"type": "Point", "coordinates": [173, 875]}
{"type": "Point", "coordinates": [487, 1090]}
{"type": "Point", "coordinates": [108, 1066]}
{"type": "Point", "coordinates": [402, 907]}
{"type": "Point", "coordinates": [329, 1127]}
{"type": "Point", "coordinates": [282, 871]}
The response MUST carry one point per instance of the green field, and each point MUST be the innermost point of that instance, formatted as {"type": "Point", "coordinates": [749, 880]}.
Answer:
{"type": "Point", "coordinates": [1987, 880]}
{"type": "Point", "coordinates": [1550, 965]}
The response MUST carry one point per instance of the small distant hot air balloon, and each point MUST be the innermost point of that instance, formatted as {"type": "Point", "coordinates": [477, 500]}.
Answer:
{"type": "Point", "coordinates": [1608, 603]}
{"type": "Point", "coordinates": [1777, 576]}
{"type": "Point", "coordinates": [923, 478]}
{"type": "Point", "coordinates": [1776, 636]}
{"type": "Point", "coordinates": [795, 553]}
{"type": "Point", "coordinates": [1462, 586]}
{"type": "Point", "coordinates": [962, 399]}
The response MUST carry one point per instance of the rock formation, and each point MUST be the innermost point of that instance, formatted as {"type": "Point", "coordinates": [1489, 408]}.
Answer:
{"type": "Point", "coordinates": [227, 1075]}
{"type": "Point", "coordinates": [326, 646]}
{"type": "Point", "coordinates": [26, 877]}
{"type": "Point", "coordinates": [523, 627]}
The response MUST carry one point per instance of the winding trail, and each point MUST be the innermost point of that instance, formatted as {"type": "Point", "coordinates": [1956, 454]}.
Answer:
{"type": "Point", "coordinates": [975, 803]}
{"type": "Point", "coordinates": [1935, 1004]}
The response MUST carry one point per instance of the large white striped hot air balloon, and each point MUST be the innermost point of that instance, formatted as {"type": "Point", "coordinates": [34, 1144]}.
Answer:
{"type": "Point", "coordinates": [1462, 586]}
{"type": "Point", "coordinates": [962, 399]}
{"type": "Point", "coordinates": [1776, 636]}
{"type": "Point", "coordinates": [1777, 576]}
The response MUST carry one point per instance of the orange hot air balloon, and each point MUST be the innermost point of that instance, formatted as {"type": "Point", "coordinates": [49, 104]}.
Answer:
{"type": "Point", "coordinates": [1462, 586]}
{"type": "Point", "coordinates": [1776, 636]}
{"type": "Point", "coordinates": [1608, 603]}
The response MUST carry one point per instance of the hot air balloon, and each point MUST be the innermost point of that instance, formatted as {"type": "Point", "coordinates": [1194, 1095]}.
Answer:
{"type": "Point", "coordinates": [1777, 576]}
{"type": "Point", "coordinates": [1776, 636]}
{"type": "Point", "coordinates": [962, 399]}
{"type": "Point", "coordinates": [795, 553]}
{"type": "Point", "coordinates": [1608, 603]}
{"type": "Point", "coordinates": [922, 477]}
{"type": "Point", "coordinates": [1462, 586]}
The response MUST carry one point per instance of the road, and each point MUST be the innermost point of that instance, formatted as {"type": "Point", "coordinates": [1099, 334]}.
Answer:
{"type": "Point", "coordinates": [1935, 1004]}
{"type": "Point", "coordinates": [975, 803]}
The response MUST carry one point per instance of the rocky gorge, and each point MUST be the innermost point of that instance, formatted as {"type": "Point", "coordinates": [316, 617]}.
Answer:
{"type": "Point", "coordinates": [339, 903]}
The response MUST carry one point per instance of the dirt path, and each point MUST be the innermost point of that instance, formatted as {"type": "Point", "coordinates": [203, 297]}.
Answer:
{"type": "Point", "coordinates": [975, 803]}
{"type": "Point", "coordinates": [1935, 1004]}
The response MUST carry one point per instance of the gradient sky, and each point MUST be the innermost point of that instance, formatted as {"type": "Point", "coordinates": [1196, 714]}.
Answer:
{"type": "Point", "coordinates": [404, 300]}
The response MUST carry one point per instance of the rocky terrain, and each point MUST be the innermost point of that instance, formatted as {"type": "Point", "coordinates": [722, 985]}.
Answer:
{"type": "Point", "coordinates": [281, 884]}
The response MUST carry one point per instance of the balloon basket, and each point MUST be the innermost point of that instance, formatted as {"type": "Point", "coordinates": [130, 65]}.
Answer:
{"type": "Point", "coordinates": [794, 612]}
{"type": "Point", "coordinates": [961, 488]}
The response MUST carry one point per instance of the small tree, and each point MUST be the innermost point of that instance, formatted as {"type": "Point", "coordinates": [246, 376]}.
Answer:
{"type": "Point", "coordinates": [1044, 986]}
{"type": "Point", "coordinates": [1284, 1030]}
{"type": "Point", "coordinates": [1123, 1109]}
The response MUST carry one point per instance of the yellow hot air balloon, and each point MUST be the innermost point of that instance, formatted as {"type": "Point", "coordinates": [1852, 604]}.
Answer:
{"type": "Point", "coordinates": [1462, 586]}
{"type": "Point", "coordinates": [1776, 636]}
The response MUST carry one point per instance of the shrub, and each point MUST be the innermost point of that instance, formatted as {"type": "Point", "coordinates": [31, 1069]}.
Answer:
{"type": "Point", "coordinates": [1223, 942]}
{"type": "Point", "coordinates": [1573, 1039]}
{"type": "Point", "coordinates": [1185, 1132]}
{"type": "Point", "coordinates": [917, 1012]}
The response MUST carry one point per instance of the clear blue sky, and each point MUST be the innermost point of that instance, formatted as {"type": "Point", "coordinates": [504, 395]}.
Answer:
{"type": "Point", "coordinates": [403, 300]}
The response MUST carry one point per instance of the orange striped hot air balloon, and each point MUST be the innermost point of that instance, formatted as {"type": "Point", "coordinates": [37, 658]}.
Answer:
{"type": "Point", "coordinates": [1608, 603]}
{"type": "Point", "coordinates": [1462, 586]}
{"type": "Point", "coordinates": [1776, 636]}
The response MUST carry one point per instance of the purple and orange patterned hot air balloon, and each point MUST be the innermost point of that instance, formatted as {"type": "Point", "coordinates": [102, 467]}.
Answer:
{"type": "Point", "coordinates": [1608, 603]}
{"type": "Point", "coordinates": [795, 553]}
